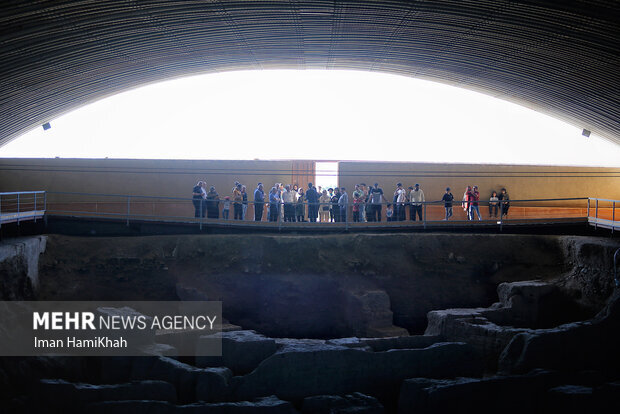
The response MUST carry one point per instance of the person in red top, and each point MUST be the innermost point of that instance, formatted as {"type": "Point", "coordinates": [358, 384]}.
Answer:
{"type": "Point", "coordinates": [475, 198]}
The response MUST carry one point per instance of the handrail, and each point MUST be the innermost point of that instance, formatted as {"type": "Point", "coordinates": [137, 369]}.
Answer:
{"type": "Point", "coordinates": [170, 208]}
{"type": "Point", "coordinates": [456, 201]}
{"type": "Point", "coordinates": [18, 206]}
{"type": "Point", "coordinates": [604, 199]}
{"type": "Point", "coordinates": [119, 195]}
{"type": "Point", "coordinates": [23, 192]}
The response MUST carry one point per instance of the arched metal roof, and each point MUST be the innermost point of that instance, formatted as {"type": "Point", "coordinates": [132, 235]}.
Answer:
{"type": "Point", "coordinates": [557, 57]}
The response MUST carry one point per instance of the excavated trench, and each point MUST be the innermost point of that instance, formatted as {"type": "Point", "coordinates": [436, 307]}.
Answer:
{"type": "Point", "coordinates": [445, 310]}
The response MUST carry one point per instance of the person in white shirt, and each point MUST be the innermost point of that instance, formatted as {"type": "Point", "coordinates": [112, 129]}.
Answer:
{"type": "Point", "coordinates": [325, 203]}
{"type": "Point", "coordinates": [401, 198]}
{"type": "Point", "coordinates": [493, 204]}
{"type": "Point", "coordinates": [416, 197]}
{"type": "Point", "coordinates": [343, 203]}
{"type": "Point", "coordinates": [288, 198]}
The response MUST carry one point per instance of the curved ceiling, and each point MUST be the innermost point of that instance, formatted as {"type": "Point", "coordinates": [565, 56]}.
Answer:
{"type": "Point", "coordinates": [557, 57]}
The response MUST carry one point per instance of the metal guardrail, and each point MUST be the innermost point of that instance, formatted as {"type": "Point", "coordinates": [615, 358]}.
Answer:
{"type": "Point", "coordinates": [19, 206]}
{"type": "Point", "coordinates": [27, 205]}
{"type": "Point", "coordinates": [604, 220]}
{"type": "Point", "coordinates": [178, 209]}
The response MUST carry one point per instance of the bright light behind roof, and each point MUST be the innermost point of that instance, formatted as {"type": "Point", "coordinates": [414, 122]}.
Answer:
{"type": "Point", "coordinates": [321, 115]}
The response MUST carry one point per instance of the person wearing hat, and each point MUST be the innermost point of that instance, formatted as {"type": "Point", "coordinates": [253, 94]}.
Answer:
{"type": "Point", "coordinates": [447, 200]}
{"type": "Point", "coordinates": [416, 196]}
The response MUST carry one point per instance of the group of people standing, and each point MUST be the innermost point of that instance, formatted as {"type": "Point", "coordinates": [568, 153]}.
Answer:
{"type": "Point", "coordinates": [471, 200]}
{"type": "Point", "coordinates": [291, 203]}
{"type": "Point", "coordinates": [208, 202]}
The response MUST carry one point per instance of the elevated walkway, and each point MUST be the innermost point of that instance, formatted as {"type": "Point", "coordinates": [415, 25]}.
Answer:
{"type": "Point", "coordinates": [177, 215]}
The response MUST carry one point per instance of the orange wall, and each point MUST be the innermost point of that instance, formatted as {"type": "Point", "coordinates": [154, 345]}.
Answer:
{"type": "Point", "coordinates": [521, 181]}
{"type": "Point", "coordinates": [170, 178]}
{"type": "Point", "coordinates": [175, 178]}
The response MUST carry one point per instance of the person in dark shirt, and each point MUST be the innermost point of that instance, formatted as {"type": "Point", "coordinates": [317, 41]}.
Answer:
{"type": "Point", "coordinates": [375, 197]}
{"type": "Point", "coordinates": [475, 198]}
{"type": "Point", "coordinates": [447, 200]}
{"type": "Point", "coordinates": [197, 199]}
{"type": "Point", "coordinates": [504, 202]}
{"type": "Point", "coordinates": [313, 203]}
{"type": "Point", "coordinates": [213, 204]}
{"type": "Point", "coordinates": [331, 209]}
{"type": "Point", "coordinates": [274, 202]}
{"type": "Point", "coordinates": [300, 208]}
{"type": "Point", "coordinates": [259, 202]}
{"type": "Point", "coordinates": [335, 206]}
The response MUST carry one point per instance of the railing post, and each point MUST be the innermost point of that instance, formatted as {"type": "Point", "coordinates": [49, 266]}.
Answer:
{"type": "Point", "coordinates": [346, 216]}
{"type": "Point", "coordinates": [279, 216]}
{"type": "Point", "coordinates": [613, 216]}
{"type": "Point", "coordinates": [201, 215]}
{"type": "Point", "coordinates": [588, 213]}
{"type": "Point", "coordinates": [128, 209]}
{"type": "Point", "coordinates": [18, 209]}
{"type": "Point", "coordinates": [424, 215]}
{"type": "Point", "coordinates": [35, 207]}
{"type": "Point", "coordinates": [596, 215]}
{"type": "Point", "coordinates": [45, 208]}
{"type": "Point", "coordinates": [501, 215]}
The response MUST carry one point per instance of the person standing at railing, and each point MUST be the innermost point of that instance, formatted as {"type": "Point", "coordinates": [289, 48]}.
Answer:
{"type": "Point", "coordinates": [213, 204]}
{"type": "Point", "coordinates": [475, 198]}
{"type": "Point", "coordinates": [357, 203]}
{"type": "Point", "coordinates": [504, 202]}
{"type": "Point", "coordinates": [300, 208]}
{"type": "Point", "coordinates": [274, 202]}
{"type": "Point", "coordinates": [401, 200]}
{"type": "Point", "coordinates": [331, 211]}
{"type": "Point", "coordinates": [259, 202]}
{"type": "Point", "coordinates": [417, 199]}
{"type": "Point", "coordinates": [198, 195]}
{"type": "Point", "coordinates": [237, 198]}
{"type": "Point", "coordinates": [244, 195]}
{"type": "Point", "coordinates": [409, 203]}
{"type": "Point", "coordinates": [364, 199]}
{"type": "Point", "coordinates": [313, 203]}
{"type": "Point", "coordinates": [343, 203]}
{"type": "Point", "coordinates": [288, 198]}
{"type": "Point", "coordinates": [389, 212]}
{"type": "Point", "coordinates": [335, 206]}
{"type": "Point", "coordinates": [226, 208]}
{"type": "Point", "coordinates": [467, 201]}
{"type": "Point", "coordinates": [280, 188]}
{"type": "Point", "coordinates": [376, 195]}
{"type": "Point", "coordinates": [447, 200]}
{"type": "Point", "coordinates": [493, 204]}
{"type": "Point", "coordinates": [357, 192]}
{"type": "Point", "coordinates": [324, 206]}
